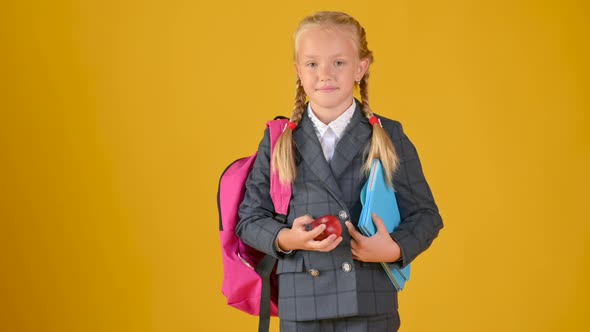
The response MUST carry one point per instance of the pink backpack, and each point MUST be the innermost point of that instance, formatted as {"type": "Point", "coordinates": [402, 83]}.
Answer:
{"type": "Point", "coordinates": [249, 281]}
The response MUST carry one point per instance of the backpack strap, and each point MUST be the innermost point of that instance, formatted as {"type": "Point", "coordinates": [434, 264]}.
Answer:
{"type": "Point", "coordinates": [280, 194]}
{"type": "Point", "coordinates": [264, 268]}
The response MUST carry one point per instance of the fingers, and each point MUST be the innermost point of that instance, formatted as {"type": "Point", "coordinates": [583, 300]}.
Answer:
{"type": "Point", "coordinates": [355, 242]}
{"type": "Point", "coordinates": [312, 234]}
{"type": "Point", "coordinates": [306, 238]}
{"type": "Point", "coordinates": [379, 224]}
{"type": "Point", "coordinates": [327, 244]}
{"type": "Point", "coordinates": [353, 232]}
{"type": "Point", "coordinates": [334, 244]}
{"type": "Point", "coordinates": [300, 223]}
{"type": "Point", "coordinates": [357, 253]}
{"type": "Point", "coordinates": [303, 221]}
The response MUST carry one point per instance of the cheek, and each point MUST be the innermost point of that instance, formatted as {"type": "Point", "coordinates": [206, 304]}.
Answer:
{"type": "Point", "coordinates": [307, 80]}
{"type": "Point", "coordinates": [308, 88]}
{"type": "Point", "coordinates": [350, 73]}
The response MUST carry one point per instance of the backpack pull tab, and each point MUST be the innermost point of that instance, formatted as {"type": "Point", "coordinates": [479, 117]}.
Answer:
{"type": "Point", "coordinates": [280, 218]}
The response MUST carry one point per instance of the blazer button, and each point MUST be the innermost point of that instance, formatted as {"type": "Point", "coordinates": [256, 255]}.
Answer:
{"type": "Point", "coordinates": [314, 273]}
{"type": "Point", "coordinates": [343, 215]}
{"type": "Point", "coordinates": [346, 267]}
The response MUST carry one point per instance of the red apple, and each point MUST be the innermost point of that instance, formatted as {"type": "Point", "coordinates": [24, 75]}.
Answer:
{"type": "Point", "coordinates": [333, 226]}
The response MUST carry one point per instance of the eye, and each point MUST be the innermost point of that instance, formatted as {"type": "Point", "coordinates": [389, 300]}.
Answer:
{"type": "Point", "coordinates": [340, 63]}
{"type": "Point", "coordinates": [311, 64]}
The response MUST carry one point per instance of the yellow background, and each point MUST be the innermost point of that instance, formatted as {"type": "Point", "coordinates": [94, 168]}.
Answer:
{"type": "Point", "coordinates": [117, 118]}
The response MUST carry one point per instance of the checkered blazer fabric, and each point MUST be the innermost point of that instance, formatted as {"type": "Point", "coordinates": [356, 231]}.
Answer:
{"type": "Point", "coordinates": [317, 285]}
{"type": "Point", "coordinates": [378, 323]}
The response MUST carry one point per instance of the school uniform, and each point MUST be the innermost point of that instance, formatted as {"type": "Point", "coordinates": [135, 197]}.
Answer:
{"type": "Point", "coordinates": [329, 290]}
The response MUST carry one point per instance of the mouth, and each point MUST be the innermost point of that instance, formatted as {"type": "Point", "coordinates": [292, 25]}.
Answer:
{"type": "Point", "coordinates": [327, 89]}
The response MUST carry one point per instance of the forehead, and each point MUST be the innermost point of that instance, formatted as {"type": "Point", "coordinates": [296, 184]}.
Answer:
{"type": "Point", "coordinates": [321, 41]}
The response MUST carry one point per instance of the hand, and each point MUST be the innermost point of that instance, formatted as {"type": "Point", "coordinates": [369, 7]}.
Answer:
{"type": "Point", "coordinates": [298, 237]}
{"type": "Point", "coordinates": [377, 248]}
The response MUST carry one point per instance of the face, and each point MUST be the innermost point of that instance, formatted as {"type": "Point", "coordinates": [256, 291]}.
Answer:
{"type": "Point", "coordinates": [328, 65]}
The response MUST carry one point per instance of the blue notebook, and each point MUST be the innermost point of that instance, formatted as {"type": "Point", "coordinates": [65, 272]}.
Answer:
{"type": "Point", "coordinates": [379, 198]}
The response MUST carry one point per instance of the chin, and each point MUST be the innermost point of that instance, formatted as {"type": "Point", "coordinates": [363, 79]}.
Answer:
{"type": "Point", "coordinates": [330, 101]}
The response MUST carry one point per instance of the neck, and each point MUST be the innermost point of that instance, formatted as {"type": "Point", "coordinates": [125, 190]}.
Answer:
{"type": "Point", "coordinates": [329, 114]}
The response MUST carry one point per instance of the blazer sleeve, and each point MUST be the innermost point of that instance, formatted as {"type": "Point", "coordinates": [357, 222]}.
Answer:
{"type": "Point", "coordinates": [256, 227]}
{"type": "Point", "coordinates": [420, 218]}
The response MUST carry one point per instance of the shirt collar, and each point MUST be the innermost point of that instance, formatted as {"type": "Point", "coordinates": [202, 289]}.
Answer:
{"type": "Point", "coordinates": [338, 125]}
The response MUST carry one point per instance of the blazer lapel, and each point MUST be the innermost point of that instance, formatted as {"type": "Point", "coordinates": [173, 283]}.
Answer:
{"type": "Point", "coordinates": [355, 137]}
{"type": "Point", "coordinates": [308, 145]}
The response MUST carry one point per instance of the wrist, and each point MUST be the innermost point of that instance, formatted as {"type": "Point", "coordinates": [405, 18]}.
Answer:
{"type": "Point", "coordinates": [397, 252]}
{"type": "Point", "coordinates": [280, 245]}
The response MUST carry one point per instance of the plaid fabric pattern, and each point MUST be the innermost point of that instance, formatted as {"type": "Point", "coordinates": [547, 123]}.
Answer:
{"type": "Point", "coordinates": [378, 323]}
{"type": "Point", "coordinates": [315, 285]}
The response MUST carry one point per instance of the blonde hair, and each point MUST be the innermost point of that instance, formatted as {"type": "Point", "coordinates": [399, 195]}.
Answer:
{"type": "Point", "coordinates": [283, 160]}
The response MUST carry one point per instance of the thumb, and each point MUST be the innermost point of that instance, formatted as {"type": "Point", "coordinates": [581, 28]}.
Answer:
{"type": "Point", "coordinates": [300, 222]}
{"type": "Point", "coordinates": [379, 224]}
{"type": "Point", "coordinates": [353, 232]}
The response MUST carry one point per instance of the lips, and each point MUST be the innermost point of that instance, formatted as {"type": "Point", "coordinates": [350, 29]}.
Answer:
{"type": "Point", "coordinates": [327, 89]}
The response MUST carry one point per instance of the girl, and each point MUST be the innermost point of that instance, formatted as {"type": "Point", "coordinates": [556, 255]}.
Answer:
{"type": "Point", "coordinates": [325, 152]}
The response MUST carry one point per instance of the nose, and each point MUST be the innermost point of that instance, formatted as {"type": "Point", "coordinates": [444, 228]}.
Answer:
{"type": "Point", "coordinates": [325, 73]}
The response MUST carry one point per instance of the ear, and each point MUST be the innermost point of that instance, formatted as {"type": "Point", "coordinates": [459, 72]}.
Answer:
{"type": "Point", "coordinates": [296, 67]}
{"type": "Point", "coordinates": [362, 68]}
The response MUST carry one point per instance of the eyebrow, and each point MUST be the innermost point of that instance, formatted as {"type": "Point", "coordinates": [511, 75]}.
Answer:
{"type": "Point", "coordinates": [313, 56]}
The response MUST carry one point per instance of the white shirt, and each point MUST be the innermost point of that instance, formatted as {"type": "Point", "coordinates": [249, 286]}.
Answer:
{"type": "Point", "coordinates": [330, 134]}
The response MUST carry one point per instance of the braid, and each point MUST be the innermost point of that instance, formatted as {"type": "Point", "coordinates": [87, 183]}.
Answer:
{"type": "Point", "coordinates": [299, 107]}
{"type": "Point", "coordinates": [381, 146]}
{"type": "Point", "coordinates": [283, 159]}
{"type": "Point", "coordinates": [364, 87]}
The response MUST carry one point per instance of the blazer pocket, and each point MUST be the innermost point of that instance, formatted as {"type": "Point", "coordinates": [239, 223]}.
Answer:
{"type": "Point", "coordinates": [290, 265]}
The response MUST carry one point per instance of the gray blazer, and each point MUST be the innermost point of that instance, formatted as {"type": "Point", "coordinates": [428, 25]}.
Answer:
{"type": "Point", "coordinates": [317, 285]}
